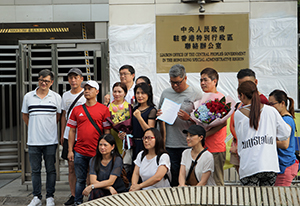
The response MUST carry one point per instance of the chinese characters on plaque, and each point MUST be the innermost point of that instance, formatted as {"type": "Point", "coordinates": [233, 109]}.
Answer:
{"type": "Point", "coordinates": [218, 41]}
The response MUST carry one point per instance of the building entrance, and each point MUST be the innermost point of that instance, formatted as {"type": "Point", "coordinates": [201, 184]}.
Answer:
{"type": "Point", "coordinates": [30, 57]}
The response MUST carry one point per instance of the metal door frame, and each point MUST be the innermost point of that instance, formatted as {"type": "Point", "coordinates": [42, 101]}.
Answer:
{"type": "Point", "coordinates": [24, 66]}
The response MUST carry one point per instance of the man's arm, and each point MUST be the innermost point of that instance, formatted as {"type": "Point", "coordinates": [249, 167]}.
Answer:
{"type": "Point", "coordinates": [63, 123]}
{"type": "Point", "coordinates": [25, 118]}
{"type": "Point", "coordinates": [71, 141]}
{"type": "Point", "coordinates": [215, 129]}
{"type": "Point", "coordinates": [162, 128]}
{"type": "Point", "coordinates": [57, 117]}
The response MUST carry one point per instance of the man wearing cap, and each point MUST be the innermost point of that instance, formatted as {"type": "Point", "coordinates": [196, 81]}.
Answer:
{"type": "Point", "coordinates": [87, 134]}
{"type": "Point", "coordinates": [70, 99]}
{"type": "Point", "coordinates": [41, 111]}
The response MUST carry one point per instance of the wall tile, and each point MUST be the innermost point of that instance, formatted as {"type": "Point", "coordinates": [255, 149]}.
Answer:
{"type": "Point", "coordinates": [131, 14]}
{"type": "Point", "coordinates": [72, 13]}
{"type": "Point", "coordinates": [99, 12]}
{"type": "Point", "coordinates": [34, 13]}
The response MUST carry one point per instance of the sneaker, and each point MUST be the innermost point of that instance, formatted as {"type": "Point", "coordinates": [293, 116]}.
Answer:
{"type": "Point", "coordinates": [70, 201]}
{"type": "Point", "coordinates": [77, 203]}
{"type": "Point", "coordinates": [35, 202]}
{"type": "Point", "coordinates": [50, 201]}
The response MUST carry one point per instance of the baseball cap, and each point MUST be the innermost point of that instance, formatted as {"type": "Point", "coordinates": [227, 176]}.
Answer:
{"type": "Point", "coordinates": [75, 71]}
{"type": "Point", "coordinates": [195, 130]}
{"type": "Point", "coordinates": [92, 83]}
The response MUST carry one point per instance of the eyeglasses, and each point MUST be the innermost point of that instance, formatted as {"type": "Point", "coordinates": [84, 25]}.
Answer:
{"type": "Point", "coordinates": [124, 74]}
{"type": "Point", "coordinates": [177, 83]}
{"type": "Point", "coordinates": [147, 138]}
{"type": "Point", "coordinates": [273, 103]}
{"type": "Point", "coordinates": [44, 81]}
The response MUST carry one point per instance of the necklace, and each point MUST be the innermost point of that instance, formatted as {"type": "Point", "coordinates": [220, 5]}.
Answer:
{"type": "Point", "coordinates": [117, 107]}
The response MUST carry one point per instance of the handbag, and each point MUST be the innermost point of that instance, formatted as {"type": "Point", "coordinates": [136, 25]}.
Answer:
{"type": "Point", "coordinates": [191, 178]}
{"type": "Point", "coordinates": [91, 120]}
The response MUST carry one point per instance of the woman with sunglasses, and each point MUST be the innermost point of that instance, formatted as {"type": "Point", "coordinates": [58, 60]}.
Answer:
{"type": "Point", "coordinates": [257, 127]}
{"type": "Point", "coordinates": [152, 164]}
{"type": "Point", "coordinates": [288, 162]}
{"type": "Point", "coordinates": [105, 170]}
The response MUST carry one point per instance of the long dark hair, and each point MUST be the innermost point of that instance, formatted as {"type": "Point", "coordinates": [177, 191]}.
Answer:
{"type": "Point", "coordinates": [147, 89]}
{"type": "Point", "coordinates": [159, 142]}
{"type": "Point", "coordinates": [96, 160]}
{"type": "Point", "coordinates": [249, 89]}
{"type": "Point", "coordinates": [281, 96]}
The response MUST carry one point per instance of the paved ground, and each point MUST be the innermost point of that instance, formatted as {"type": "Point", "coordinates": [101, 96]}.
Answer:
{"type": "Point", "coordinates": [13, 193]}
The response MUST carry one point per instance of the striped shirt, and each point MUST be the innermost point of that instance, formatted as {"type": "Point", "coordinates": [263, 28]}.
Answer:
{"type": "Point", "coordinates": [42, 126]}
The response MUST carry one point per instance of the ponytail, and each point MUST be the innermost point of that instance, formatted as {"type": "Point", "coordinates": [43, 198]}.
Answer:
{"type": "Point", "coordinates": [249, 89]}
{"type": "Point", "coordinates": [255, 110]}
{"type": "Point", "coordinates": [281, 96]}
{"type": "Point", "coordinates": [291, 107]}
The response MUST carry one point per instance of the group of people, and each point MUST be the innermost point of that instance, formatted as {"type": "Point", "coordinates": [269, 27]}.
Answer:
{"type": "Point", "coordinates": [120, 145]}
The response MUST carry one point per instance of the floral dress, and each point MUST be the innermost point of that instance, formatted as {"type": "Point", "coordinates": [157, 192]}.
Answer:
{"type": "Point", "coordinates": [119, 113]}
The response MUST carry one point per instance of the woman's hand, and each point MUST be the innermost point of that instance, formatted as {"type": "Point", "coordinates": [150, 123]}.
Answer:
{"type": "Point", "coordinates": [137, 114]}
{"type": "Point", "coordinates": [121, 135]}
{"type": "Point", "coordinates": [87, 190]}
{"type": "Point", "coordinates": [112, 191]}
{"type": "Point", "coordinates": [135, 187]}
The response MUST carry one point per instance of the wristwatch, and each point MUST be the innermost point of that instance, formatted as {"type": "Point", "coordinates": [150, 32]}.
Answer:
{"type": "Point", "coordinates": [93, 187]}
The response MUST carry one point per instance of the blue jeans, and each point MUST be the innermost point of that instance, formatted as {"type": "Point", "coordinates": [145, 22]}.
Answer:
{"type": "Point", "coordinates": [36, 153]}
{"type": "Point", "coordinates": [81, 165]}
{"type": "Point", "coordinates": [175, 158]}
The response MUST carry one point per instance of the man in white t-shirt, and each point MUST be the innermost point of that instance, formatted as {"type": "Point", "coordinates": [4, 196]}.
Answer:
{"type": "Point", "coordinates": [70, 99]}
{"type": "Point", "coordinates": [41, 111]}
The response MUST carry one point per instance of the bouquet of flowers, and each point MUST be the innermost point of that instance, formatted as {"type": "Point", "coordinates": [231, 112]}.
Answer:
{"type": "Point", "coordinates": [212, 111]}
{"type": "Point", "coordinates": [123, 125]}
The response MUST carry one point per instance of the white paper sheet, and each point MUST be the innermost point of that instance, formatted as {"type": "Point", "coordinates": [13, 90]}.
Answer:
{"type": "Point", "coordinates": [169, 111]}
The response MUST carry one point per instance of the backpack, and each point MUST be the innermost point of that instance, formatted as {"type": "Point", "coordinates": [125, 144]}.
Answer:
{"type": "Point", "coordinates": [157, 162]}
{"type": "Point", "coordinates": [123, 175]}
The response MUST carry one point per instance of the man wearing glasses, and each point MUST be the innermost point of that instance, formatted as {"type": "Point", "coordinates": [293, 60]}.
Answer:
{"type": "Point", "coordinates": [41, 111]}
{"type": "Point", "coordinates": [184, 94]}
{"type": "Point", "coordinates": [127, 76]}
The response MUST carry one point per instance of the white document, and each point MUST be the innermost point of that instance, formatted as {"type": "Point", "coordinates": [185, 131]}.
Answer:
{"type": "Point", "coordinates": [169, 110]}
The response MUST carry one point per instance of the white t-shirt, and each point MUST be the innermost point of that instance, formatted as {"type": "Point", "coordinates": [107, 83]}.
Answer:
{"type": "Point", "coordinates": [204, 164]}
{"type": "Point", "coordinates": [42, 125]}
{"type": "Point", "coordinates": [66, 101]}
{"type": "Point", "coordinates": [257, 148]}
{"type": "Point", "coordinates": [148, 169]}
{"type": "Point", "coordinates": [130, 94]}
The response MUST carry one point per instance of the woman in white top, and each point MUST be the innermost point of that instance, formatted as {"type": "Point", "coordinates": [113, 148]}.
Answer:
{"type": "Point", "coordinates": [202, 174]}
{"type": "Point", "coordinates": [152, 164]}
{"type": "Point", "coordinates": [257, 128]}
